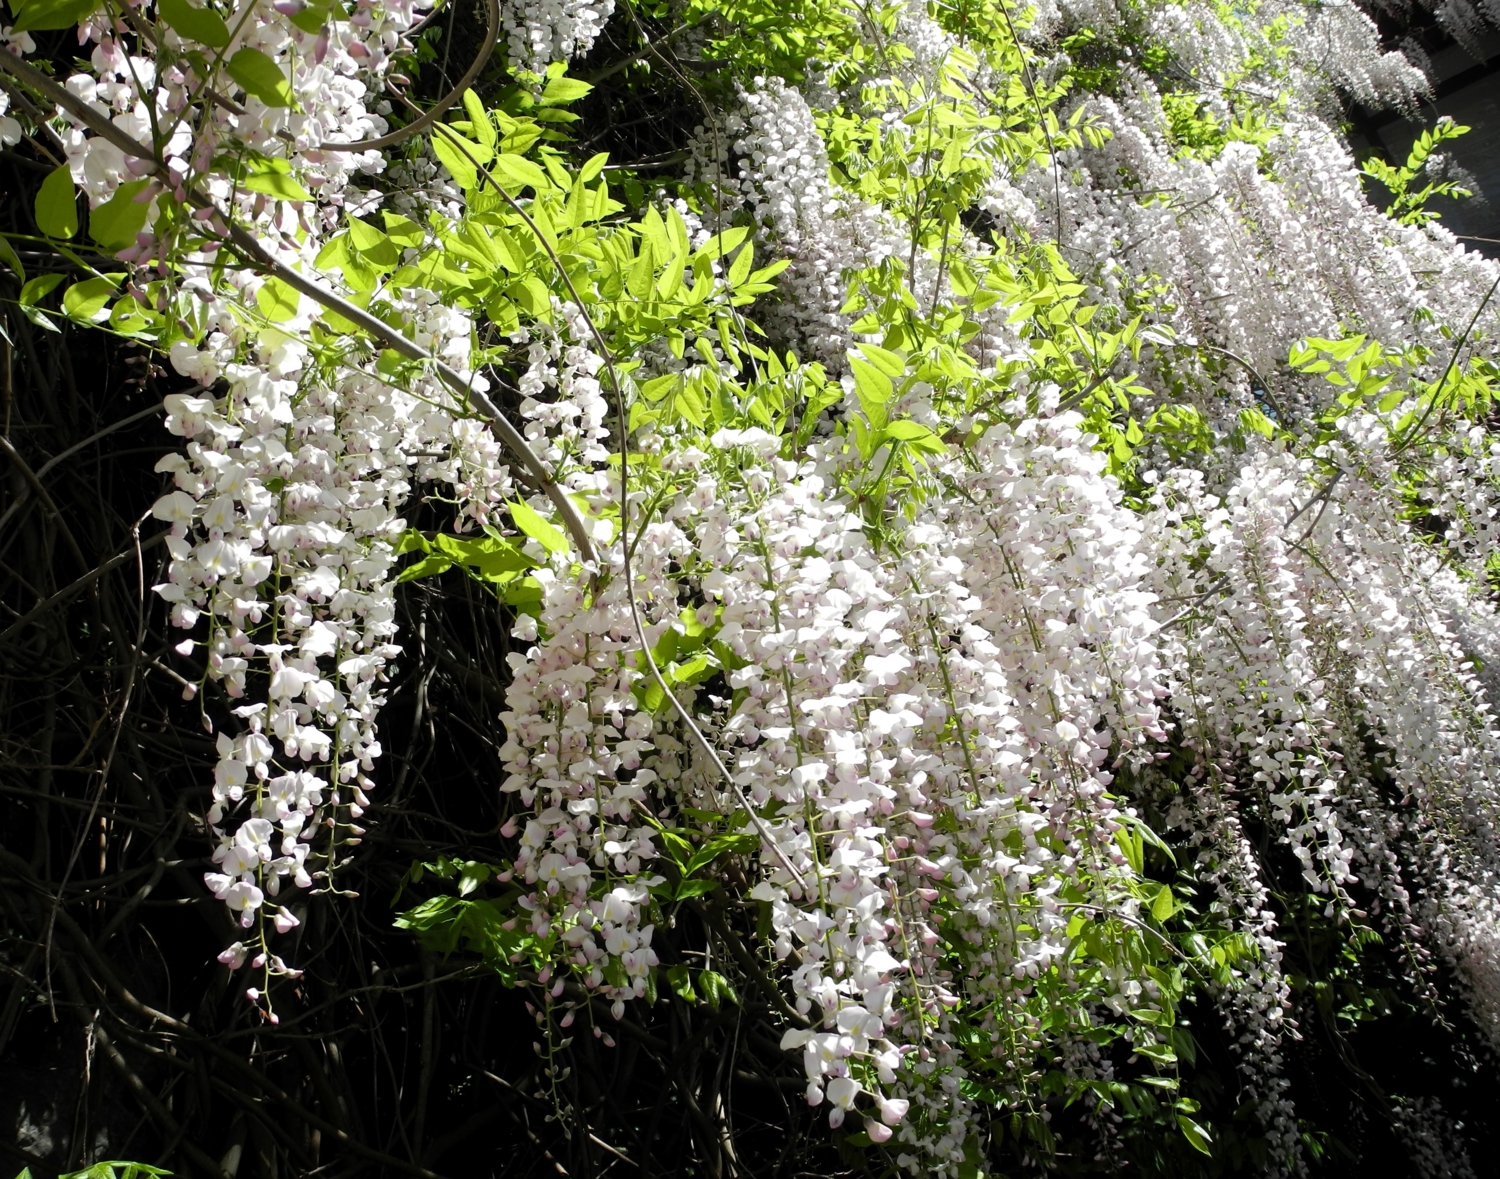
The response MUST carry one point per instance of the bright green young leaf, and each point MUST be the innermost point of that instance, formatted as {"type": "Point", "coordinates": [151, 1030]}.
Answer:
{"type": "Point", "coordinates": [413, 541]}
{"type": "Point", "coordinates": [202, 25]}
{"type": "Point", "coordinates": [52, 14]}
{"type": "Point", "coordinates": [113, 1169]}
{"type": "Point", "coordinates": [592, 167]}
{"type": "Point", "coordinates": [487, 558]}
{"type": "Point", "coordinates": [115, 223]}
{"type": "Point", "coordinates": [723, 244]}
{"type": "Point", "coordinates": [277, 301]}
{"type": "Point", "coordinates": [86, 299]}
{"type": "Point", "coordinates": [479, 121]}
{"type": "Point", "coordinates": [276, 184]}
{"type": "Point", "coordinates": [373, 245]}
{"type": "Point", "coordinates": [888, 362]}
{"type": "Point", "coordinates": [428, 566]}
{"type": "Point", "coordinates": [873, 388]}
{"type": "Point", "coordinates": [1160, 1053]}
{"type": "Point", "coordinates": [460, 156]}
{"type": "Point", "coordinates": [907, 430]}
{"type": "Point", "coordinates": [561, 91]}
{"type": "Point", "coordinates": [365, 236]}
{"type": "Point", "coordinates": [39, 288]}
{"type": "Point", "coordinates": [1252, 419]}
{"type": "Point", "coordinates": [541, 530]}
{"type": "Point", "coordinates": [519, 172]}
{"type": "Point", "coordinates": [739, 271]}
{"type": "Point", "coordinates": [313, 18]}
{"type": "Point", "coordinates": [260, 77]}
{"type": "Point", "coordinates": [56, 204]}
{"type": "Point", "coordinates": [405, 232]}
{"type": "Point", "coordinates": [472, 875]}
{"type": "Point", "coordinates": [334, 253]}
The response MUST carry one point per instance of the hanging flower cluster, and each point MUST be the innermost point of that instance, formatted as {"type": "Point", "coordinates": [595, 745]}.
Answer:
{"type": "Point", "coordinates": [926, 738]}
{"type": "Point", "coordinates": [285, 513]}
{"type": "Point", "coordinates": [539, 32]}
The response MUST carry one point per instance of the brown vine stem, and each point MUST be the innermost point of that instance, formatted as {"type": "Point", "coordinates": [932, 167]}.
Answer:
{"type": "Point", "coordinates": [83, 582]}
{"type": "Point", "coordinates": [257, 255]}
{"type": "Point", "coordinates": [108, 981]}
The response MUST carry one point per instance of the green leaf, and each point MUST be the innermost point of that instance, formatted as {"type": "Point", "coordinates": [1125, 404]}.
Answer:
{"type": "Point", "coordinates": [519, 172]}
{"type": "Point", "coordinates": [276, 183]}
{"type": "Point", "coordinates": [277, 301]}
{"type": "Point", "coordinates": [873, 388]}
{"type": "Point", "coordinates": [891, 364]}
{"type": "Point", "coordinates": [56, 204]}
{"type": "Point", "coordinates": [739, 271]}
{"type": "Point", "coordinates": [695, 888]}
{"type": "Point", "coordinates": [1161, 1053]}
{"type": "Point", "coordinates": [312, 18]}
{"type": "Point", "coordinates": [86, 299]}
{"type": "Point", "coordinates": [717, 989]}
{"type": "Point", "coordinates": [429, 566]}
{"type": "Point", "coordinates": [694, 671]}
{"type": "Point", "coordinates": [487, 558]}
{"type": "Point", "coordinates": [1165, 904]}
{"type": "Point", "coordinates": [335, 253]}
{"type": "Point", "coordinates": [1143, 836]}
{"type": "Point", "coordinates": [723, 243]}
{"type": "Point", "coordinates": [658, 387]}
{"type": "Point", "coordinates": [472, 876]}
{"type": "Point", "coordinates": [373, 245]}
{"type": "Point", "coordinates": [678, 848]}
{"type": "Point", "coordinates": [907, 430]}
{"type": "Point", "coordinates": [260, 77]}
{"type": "Point", "coordinates": [592, 167]}
{"type": "Point", "coordinates": [460, 156]}
{"type": "Point", "coordinates": [115, 223]}
{"type": "Point", "coordinates": [479, 121]}
{"type": "Point", "coordinates": [561, 91]}
{"type": "Point", "coordinates": [541, 530]}
{"type": "Point", "coordinates": [9, 257]}
{"type": "Point", "coordinates": [202, 25]}
{"type": "Point", "coordinates": [52, 14]}
{"type": "Point", "coordinates": [39, 288]}
{"type": "Point", "coordinates": [405, 232]}
{"type": "Point", "coordinates": [689, 402]}
{"type": "Point", "coordinates": [1198, 1138]}
{"type": "Point", "coordinates": [681, 983]}
{"type": "Point", "coordinates": [1253, 419]}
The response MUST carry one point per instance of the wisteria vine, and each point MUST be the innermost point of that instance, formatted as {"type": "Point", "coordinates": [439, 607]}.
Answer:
{"type": "Point", "coordinates": [1081, 446]}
